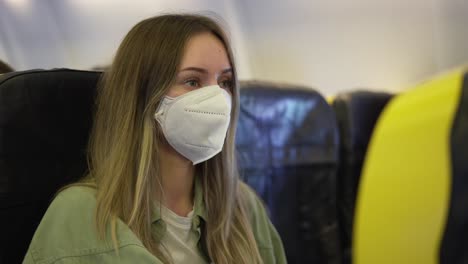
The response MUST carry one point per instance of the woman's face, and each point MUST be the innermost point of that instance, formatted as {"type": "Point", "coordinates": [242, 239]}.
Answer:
{"type": "Point", "coordinates": [205, 62]}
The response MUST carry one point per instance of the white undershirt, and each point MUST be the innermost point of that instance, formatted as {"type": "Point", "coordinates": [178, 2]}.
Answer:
{"type": "Point", "coordinates": [179, 240]}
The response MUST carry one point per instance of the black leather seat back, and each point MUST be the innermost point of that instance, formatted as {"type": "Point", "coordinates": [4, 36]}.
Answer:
{"type": "Point", "coordinates": [45, 117]}
{"type": "Point", "coordinates": [357, 113]}
{"type": "Point", "coordinates": [287, 141]}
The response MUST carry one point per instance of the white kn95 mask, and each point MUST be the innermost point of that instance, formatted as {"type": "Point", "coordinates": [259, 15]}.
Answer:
{"type": "Point", "coordinates": [195, 123]}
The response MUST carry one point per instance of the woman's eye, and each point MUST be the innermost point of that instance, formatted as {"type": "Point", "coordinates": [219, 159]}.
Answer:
{"type": "Point", "coordinates": [192, 83]}
{"type": "Point", "coordinates": [226, 84]}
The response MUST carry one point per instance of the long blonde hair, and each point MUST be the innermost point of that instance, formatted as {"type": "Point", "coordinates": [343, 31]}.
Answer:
{"type": "Point", "coordinates": [123, 146]}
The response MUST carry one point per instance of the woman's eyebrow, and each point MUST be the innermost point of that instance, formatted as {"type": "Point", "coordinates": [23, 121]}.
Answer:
{"type": "Point", "coordinates": [226, 70]}
{"type": "Point", "coordinates": [204, 71]}
{"type": "Point", "coordinates": [194, 69]}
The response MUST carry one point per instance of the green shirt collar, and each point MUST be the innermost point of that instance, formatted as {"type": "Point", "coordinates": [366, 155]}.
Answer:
{"type": "Point", "coordinates": [198, 205]}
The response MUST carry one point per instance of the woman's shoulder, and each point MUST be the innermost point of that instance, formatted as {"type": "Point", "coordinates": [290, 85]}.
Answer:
{"type": "Point", "coordinates": [73, 198]}
{"type": "Point", "coordinates": [74, 204]}
{"type": "Point", "coordinates": [68, 228]}
{"type": "Point", "coordinates": [79, 191]}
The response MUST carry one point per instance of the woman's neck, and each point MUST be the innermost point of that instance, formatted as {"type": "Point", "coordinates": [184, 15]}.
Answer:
{"type": "Point", "coordinates": [177, 181]}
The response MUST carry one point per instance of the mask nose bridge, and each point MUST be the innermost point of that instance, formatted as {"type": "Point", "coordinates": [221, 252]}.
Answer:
{"type": "Point", "coordinates": [167, 102]}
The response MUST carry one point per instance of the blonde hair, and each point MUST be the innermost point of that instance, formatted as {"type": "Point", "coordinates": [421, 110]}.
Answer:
{"type": "Point", "coordinates": [123, 146]}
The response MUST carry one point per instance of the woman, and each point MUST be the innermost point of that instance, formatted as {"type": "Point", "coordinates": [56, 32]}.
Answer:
{"type": "Point", "coordinates": [163, 185]}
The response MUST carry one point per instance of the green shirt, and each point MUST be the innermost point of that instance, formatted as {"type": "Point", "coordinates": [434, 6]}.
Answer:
{"type": "Point", "coordinates": [67, 232]}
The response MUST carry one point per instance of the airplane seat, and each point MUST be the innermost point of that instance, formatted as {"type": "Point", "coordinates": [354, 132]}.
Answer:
{"type": "Point", "coordinates": [411, 205]}
{"type": "Point", "coordinates": [287, 142]}
{"type": "Point", "coordinates": [356, 112]}
{"type": "Point", "coordinates": [45, 117]}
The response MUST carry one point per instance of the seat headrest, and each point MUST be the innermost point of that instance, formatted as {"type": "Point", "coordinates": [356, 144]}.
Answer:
{"type": "Point", "coordinates": [45, 117]}
{"type": "Point", "coordinates": [357, 113]}
{"type": "Point", "coordinates": [294, 124]}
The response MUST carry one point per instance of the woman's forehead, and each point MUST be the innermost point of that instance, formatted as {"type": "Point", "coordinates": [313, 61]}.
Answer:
{"type": "Point", "coordinates": [205, 51]}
